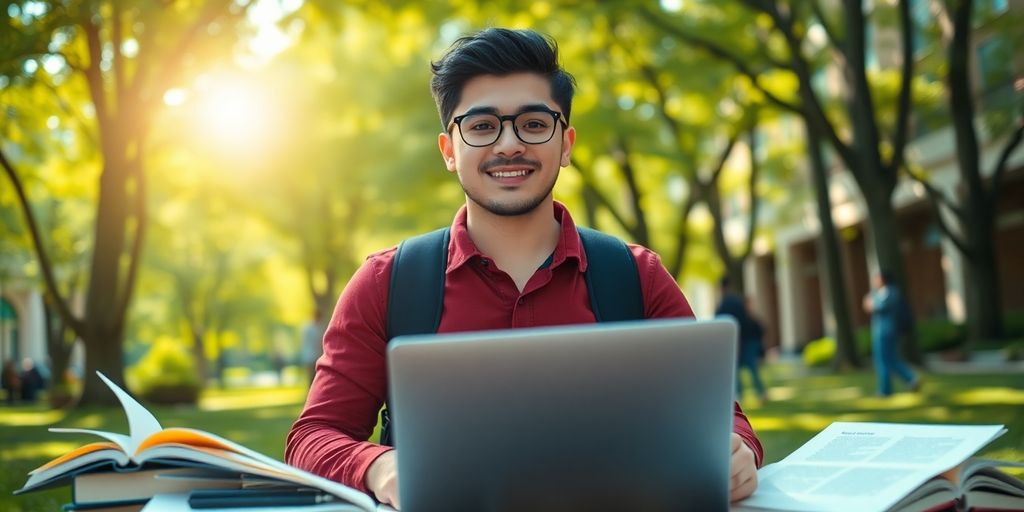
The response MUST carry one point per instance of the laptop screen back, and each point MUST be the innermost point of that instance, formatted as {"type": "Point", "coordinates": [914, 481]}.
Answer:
{"type": "Point", "coordinates": [623, 416]}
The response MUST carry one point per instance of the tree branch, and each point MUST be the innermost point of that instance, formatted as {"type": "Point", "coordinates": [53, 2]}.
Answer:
{"type": "Point", "coordinates": [44, 259]}
{"type": "Point", "coordinates": [935, 199]}
{"type": "Point", "coordinates": [906, 87]}
{"type": "Point", "coordinates": [94, 75]}
{"type": "Point", "coordinates": [716, 171]}
{"type": "Point", "coordinates": [1000, 169]}
{"type": "Point", "coordinates": [752, 191]}
{"type": "Point", "coordinates": [721, 53]}
{"type": "Point", "coordinates": [141, 221]}
{"type": "Point", "coordinates": [939, 196]}
{"type": "Point", "coordinates": [604, 201]}
{"type": "Point", "coordinates": [621, 155]}
{"type": "Point", "coordinates": [813, 108]}
{"type": "Point", "coordinates": [819, 13]}
{"type": "Point", "coordinates": [675, 266]}
{"type": "Point", "coordinates": [116, 40]}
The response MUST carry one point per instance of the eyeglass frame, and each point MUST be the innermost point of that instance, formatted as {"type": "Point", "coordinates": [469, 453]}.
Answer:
{"type": "Point", "coordinates": [457, 121]}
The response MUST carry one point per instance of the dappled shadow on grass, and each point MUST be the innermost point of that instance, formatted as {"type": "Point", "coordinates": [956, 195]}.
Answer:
{"type": "Point", "coordinates": [801, 405]}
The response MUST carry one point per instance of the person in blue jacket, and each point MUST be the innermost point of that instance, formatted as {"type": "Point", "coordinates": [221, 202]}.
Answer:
{"type": "Point", "coordinates": [889, 312]}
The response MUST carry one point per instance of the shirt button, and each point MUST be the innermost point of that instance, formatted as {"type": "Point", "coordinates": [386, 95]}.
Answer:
{"type": "Point", "coordinates": [484, 262]}
{"type": "Point", "coordinates": [522, 300]}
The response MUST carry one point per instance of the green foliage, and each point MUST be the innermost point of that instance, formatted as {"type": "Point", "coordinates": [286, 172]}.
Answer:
{"type": "Point", "coordinates": [938, 334]}
{"type": "Point", "coordinates": [819, 352]}
{"type": "Point", "coordinates": [1014, 351]}
{"type": "Point", "coordinates": [1013, 324]}
{"type": "Point", "coordinates": [166, 374]}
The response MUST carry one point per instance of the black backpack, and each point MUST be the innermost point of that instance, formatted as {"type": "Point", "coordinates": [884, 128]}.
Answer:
{"type": "Point", "coordinates": [416, 292]}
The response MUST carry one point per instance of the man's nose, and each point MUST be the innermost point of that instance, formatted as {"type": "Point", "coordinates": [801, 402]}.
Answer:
{"type": "Point", "coordinates": [508, 142]}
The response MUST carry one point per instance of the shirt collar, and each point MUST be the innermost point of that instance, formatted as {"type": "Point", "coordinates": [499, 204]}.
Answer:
{"type": "Point", "coordinates": [462, 249]}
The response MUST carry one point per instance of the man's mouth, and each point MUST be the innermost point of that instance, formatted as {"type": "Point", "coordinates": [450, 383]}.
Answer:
{"type": "Point", "coordinates": [510, 173]}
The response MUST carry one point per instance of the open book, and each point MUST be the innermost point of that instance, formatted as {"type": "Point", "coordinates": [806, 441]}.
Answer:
{"type": "Point", "coordinates": [149, 445]}
{"type": "Point", "coordinates": [889, 467]}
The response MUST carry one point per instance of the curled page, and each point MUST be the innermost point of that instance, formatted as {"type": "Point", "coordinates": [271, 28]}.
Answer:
{"type": "Point", "coordinates": [141, 423]}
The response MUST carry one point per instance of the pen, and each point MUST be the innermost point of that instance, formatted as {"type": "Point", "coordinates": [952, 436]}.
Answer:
{"type": "Point", "coordinates": [220, 498]}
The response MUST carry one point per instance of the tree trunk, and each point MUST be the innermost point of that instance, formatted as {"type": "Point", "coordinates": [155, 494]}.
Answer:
{"type": "Point", "coordinates": [57, 345]}
{"type": "Point", "coordinates": [828, 247]}
{"type": "Point", "coordinates": [199, 354]}
{"type": "Point", "coordinates": [984, 308]}
{"type": "Point", "coordinates": [104, 334]}
{"type": "Point", "coordinates": [103, 352]}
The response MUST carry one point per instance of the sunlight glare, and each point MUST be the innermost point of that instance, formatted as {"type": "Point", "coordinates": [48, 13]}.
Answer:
{"type": "Point", "coordinates": [233, 114]}
{"type": "Point", "coordinates": [175, 97]}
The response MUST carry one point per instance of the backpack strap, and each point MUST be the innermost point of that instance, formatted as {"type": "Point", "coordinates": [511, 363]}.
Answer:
{"type": "Point", "coordinates": [415, 295]}
{"type": "Point", "coordinates": [613, 281]}
{"type": "Point", "coordinates": [416, 292]}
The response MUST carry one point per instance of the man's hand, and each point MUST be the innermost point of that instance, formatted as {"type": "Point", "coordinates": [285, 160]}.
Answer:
{"type": "Point", "coordinates": [382, 478]}
{"type": "Point", "coordinates": [742, 470]}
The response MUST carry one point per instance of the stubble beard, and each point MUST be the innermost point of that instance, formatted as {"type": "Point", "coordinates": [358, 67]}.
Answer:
{"type": "Point", "coordinates": [512, 208]}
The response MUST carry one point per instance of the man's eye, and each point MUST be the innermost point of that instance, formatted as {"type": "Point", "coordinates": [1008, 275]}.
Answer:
{"type": "Point", "coordinates": [481, 126]}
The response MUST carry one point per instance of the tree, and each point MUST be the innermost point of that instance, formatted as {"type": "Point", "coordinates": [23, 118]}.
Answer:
{"type": "Point", "coordinates": [127, 56]}
{"type": "Point", "coordinates": [783, 46]}
{"type": "Point", "coordinates": [973, 214]}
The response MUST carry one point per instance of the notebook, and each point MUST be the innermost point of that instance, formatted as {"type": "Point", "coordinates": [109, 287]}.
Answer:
{"type": "Point", "coordinates": [614, 416]}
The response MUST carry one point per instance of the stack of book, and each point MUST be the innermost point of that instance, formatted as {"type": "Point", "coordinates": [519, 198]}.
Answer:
{"type": "Point", "coordinates": [158, 469]}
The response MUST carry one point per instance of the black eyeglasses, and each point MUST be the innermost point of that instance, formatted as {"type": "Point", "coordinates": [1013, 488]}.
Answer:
{"type": "Point", "coordinates": [534, 126]}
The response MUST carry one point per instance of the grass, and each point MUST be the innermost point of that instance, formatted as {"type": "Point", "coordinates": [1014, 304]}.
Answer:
{"type": "Point", "coordinates": [800, 406]}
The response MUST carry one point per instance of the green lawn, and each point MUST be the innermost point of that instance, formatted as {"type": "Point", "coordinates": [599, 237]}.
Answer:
{"type": "Point", "coordinates": [800, 406]}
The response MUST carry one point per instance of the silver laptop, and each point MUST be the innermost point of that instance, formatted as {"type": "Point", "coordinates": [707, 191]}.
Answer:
{"type": "Point", "coordinates": [618, 416]}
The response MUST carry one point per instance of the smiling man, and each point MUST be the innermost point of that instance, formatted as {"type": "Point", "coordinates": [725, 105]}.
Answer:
{"type": "Point", "coordinates": [515, 257]}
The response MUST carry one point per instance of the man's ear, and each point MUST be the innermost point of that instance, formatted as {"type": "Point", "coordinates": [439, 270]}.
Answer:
{"type": "Point", "coordinates": [444, 143]}
{"type": "Point", "coordinates": [568, 141]}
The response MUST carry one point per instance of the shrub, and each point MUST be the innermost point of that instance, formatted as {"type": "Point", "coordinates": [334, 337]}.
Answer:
{"type": "Point", "coordinates": [1014, 351]}
{"type": "Point", "coordinates": [939, 334]}
{"type": "Point", "coordinates": [1013, 324]}
{"type": "Point", "coordinates": [166, 374]}
{"type": "Point", "coordinates": [819, 352]}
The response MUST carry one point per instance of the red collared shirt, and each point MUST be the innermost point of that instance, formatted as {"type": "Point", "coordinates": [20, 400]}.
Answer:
{"type": "Point", "coordinates": [329, 438]}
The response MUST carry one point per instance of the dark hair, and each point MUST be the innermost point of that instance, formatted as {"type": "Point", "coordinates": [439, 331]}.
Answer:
{"type": "Point", "coordinates": [498, 51]}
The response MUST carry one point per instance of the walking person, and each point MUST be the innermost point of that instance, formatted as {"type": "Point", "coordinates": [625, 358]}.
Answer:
{"type": "Point", "coordinates": [888, 309]}
{"type": "Point", "coordinates": [751, 339]}
{"type": "Point", "coordinates": [750, 354]}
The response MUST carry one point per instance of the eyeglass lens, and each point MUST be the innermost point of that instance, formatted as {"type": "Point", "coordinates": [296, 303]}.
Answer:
{"type": "Point", "coordinates": [530, 127]}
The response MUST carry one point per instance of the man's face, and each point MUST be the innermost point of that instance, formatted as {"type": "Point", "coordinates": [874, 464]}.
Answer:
{"type": "Point", "coordinates": [508, 177]}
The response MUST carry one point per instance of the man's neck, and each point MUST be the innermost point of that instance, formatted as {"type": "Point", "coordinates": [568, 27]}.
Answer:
{"type": "Point", "coordinates": [518, 244]}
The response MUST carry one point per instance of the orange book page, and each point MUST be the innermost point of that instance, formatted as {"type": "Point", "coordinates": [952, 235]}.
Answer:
{"type": "Point", "coordinates": [183, 436]}
{"type": "Point", "coordinates": [78, 452]}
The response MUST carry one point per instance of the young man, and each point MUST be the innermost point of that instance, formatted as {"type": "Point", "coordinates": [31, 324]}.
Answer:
{"type": "Point", "coordinates": [515, 258]}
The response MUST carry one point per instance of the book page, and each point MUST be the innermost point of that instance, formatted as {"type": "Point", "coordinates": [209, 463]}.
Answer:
{"type": "Point", "coordinates": [865, 466]}
{"type": "Point", "coordinates": [141, 423]}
